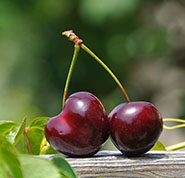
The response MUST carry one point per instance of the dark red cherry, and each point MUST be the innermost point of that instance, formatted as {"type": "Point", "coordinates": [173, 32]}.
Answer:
{"type": "Point", "coordinates": [81, 128]}
{"type": "Point", "coordinates": [135, 127]}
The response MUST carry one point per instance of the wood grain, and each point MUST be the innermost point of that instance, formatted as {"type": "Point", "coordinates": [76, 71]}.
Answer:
{"type": "Point", "coordinates": [114, 164]}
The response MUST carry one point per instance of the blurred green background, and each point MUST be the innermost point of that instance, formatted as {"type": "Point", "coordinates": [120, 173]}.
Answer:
{"type": "Point", "coordinates": [143, 42]}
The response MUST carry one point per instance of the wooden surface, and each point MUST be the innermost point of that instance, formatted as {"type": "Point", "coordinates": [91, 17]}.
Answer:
{"type": "Point", "coordinates": [114, 164]}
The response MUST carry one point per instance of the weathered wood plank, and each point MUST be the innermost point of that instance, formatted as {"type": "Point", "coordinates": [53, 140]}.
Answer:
{"type": "Point", "coordinates": [114, 164]}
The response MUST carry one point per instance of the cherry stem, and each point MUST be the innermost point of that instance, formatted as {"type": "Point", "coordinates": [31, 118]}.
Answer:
{"type": "Point", "coordinates": [75, 55]}
{"type": "Point", "coordinates": [85, 48]}
{"type": "Point", "coordinates": [176, 146]}
{"type": "Point", "coordinates": [72, 37]}
{"type": "Point", "coordinates": [173, 120]}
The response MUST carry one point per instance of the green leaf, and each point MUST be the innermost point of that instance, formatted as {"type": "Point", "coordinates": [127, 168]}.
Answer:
{"type": "Point", "coordinates": [35, 135]}
{"type": "Point", "coordinates": [10, 136]}
{"type": "Point", "coordinates": [3, 172]}
{"type": "Point", "coordinates": [39, 122]}
{"type": "Point", "coordinates": [20, 131]}
{"type": "Point", "coordinates": [16, 132]}
{"type": "Point", "coordinates": [5, 126]}
{"type": "Point", "coordinates": [51, 150]}
{"type": "Point", "coordinates": [159, 146]}
{"type": "Point", "coordinates": [64, 167]}
{"type": "Point", "coordinates": [8, 158]}
{"type": "Point", "coordinates": [34, 167]}
{"type": "Point", "coordinates": [46, 148]}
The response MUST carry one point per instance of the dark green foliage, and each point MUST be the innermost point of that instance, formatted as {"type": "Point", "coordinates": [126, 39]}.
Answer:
{"type": "Point", "coordinates": [65, 169]}
{"type": "Point", "coordinates": [25, 166]}
{"type": "Point", "coordinates": [9, 163]}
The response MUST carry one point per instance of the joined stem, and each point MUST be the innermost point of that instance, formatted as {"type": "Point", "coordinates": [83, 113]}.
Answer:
{"type": "Point", "coordinates": [173, 120]}
{"type": "Point", "coordinates": [75, 55]}
{"type": "Point", "coordinates": [72, 37]}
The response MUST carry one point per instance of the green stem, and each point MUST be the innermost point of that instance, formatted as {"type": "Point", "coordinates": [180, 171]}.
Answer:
{"type": "Point", "coordinates": [176, 146]}
{"type": "Point", "coordinates": [85, 48]}
{"type": "Point", "coordinates": [179, 145]}
{"type": "Point", "coordinates": [75, 55]}
{"type": "Point", "coordinates": [173, 127]}
{"type": "Point", "coordinates": [28, 142]}
{"type": "Point", "coordinates": [72, 37]}
{"type": "Point", "coordinates": [173, 120]}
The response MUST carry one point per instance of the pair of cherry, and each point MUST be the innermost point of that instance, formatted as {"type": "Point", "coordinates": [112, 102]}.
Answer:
{"type": "Point", "coordinates": [83, 125]}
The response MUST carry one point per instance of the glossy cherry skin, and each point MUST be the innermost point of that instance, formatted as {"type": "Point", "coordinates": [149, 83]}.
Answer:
{"type": "Point", "coordinates": [135, 127]}
{"type": "Point", "coordinates": [81, 128]}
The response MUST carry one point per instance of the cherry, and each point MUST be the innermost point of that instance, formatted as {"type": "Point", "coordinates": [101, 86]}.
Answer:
{"type": "Point", "coordinates": [81, 128]}
{"type": "Point", "coordinates": [135, 127]}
